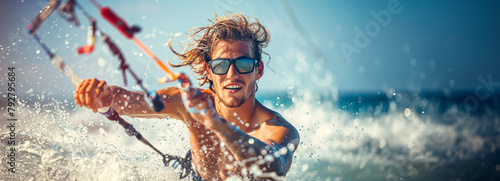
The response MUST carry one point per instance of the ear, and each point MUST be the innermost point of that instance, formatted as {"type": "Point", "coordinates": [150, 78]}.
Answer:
{"type": "Point", "coordinates": [260, 70]}
{"type": "Point", "coordinates": [209, 73]}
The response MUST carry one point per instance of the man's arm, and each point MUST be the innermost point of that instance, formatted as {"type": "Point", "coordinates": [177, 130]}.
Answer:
{"type": "Point", "coordinates": [271, 148]}
{"type": "Point", "coordinates": [134, 104]}
{"type": "Point", "coordinates": [95, 94]}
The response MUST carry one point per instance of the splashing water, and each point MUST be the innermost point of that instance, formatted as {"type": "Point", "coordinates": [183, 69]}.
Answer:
{"type": "Point", "coordinates": [380, 142]}
{"type": "Point", "coordinates": [390, 141]}
{"type": "Point", "coordinates": [55, 144]}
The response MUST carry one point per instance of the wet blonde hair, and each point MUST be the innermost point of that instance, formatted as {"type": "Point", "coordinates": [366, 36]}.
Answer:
{"type": "Point", "coordinates": [228, 28]}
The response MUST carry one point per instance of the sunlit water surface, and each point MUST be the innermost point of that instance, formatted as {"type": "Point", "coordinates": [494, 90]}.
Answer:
{"type": "Point", "coordinates": [383, 136]}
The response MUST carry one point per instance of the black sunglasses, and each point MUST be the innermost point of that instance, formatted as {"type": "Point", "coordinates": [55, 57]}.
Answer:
{"type": "Point", "coordinates": [243, 65]}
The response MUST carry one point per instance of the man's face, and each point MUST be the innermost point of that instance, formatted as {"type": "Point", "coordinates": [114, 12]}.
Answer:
{"type": "Point", "coordinates": [234, 88]}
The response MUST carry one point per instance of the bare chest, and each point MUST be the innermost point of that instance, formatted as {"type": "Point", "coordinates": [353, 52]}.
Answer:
{"type": "Point", "coordinates": [211, 158]}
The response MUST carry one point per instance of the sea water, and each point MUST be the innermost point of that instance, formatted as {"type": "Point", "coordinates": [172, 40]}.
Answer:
{"type": "Point", "coordinates": [396, 136]}
{"type": "Point", "coordinates": [380, 135]}
{"type": "Point", "coordinates": [386, 135]}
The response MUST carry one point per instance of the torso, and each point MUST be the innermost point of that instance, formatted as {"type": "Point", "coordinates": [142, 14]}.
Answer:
{"type": "Point", "coordinates": [210, 158]}
{"type": "Point", "coordinates": [213, 160]}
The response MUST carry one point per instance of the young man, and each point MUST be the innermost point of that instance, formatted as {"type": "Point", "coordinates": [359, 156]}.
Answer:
{"type": "Point", "coordinates": [230, 132]}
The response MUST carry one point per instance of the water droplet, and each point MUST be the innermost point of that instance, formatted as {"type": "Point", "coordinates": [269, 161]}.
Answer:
{"type": "Point", "coordinates": [382, 144]}
{"type": "Point", "coordinates": [407, 112]}
{"type": "Point", "coordinates": [269, 158]}
{"type": "Point", "coordinates": [251, 141]}
{"type": "Point", "coordinates": [101, 62]}
{"type": "Point", "coordinates": [406, 48]}
{"type": "Point", "coordinates": [331, 45]}
{"type": "Point", "coordinates": [451, 83]}
{"type": "Point", "coordinates": [305, 167]}
{"type": "Point", "coordinates": [413, 62]}
{"type": "Point", "coordinates": [410, 145]}
{"type": "Point", "coordinates": [283, 151]}
{"type": "Point", "coordinates": [421, 76]}
{"type": "Point", "coordinates": [101, 131]}
{"type": "Point", "coordinates": [276, 154]}
{"type": "Point", "coordinates": [361, 69]}
{"type": "Point", "coordinates": [291, 147]}
{"type": "Point", "coordinates": [431, 63]}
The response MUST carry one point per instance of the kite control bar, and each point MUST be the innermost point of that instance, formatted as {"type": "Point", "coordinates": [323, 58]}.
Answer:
{"type": "Point", "coordinates": [112, 115]}
{"type": "Point", "coordinates": [154, 99]}
{"type": "Point", "coordinates": [129, 32]}
{"type": "Point", "coordinates": [119, 23]}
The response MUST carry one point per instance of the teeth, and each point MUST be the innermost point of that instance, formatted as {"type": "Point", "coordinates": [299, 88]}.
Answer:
{"type": "Point", "coordinates": [233, 87]}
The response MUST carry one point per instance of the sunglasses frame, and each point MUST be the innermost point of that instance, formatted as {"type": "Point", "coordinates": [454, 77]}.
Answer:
{"type": "Point", "coordinates": [233, 61]}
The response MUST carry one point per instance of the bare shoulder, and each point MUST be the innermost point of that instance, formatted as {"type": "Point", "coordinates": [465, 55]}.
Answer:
{"type": "Point", "coordinates": [169, 91]}
{"type": "Point", "coordinates": [174, 91]}
{"type": "Point", "coordinates": [278, 129]}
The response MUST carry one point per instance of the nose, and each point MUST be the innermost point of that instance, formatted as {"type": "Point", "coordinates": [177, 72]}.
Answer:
{"type": "Point", "coordinates": [232, 72]}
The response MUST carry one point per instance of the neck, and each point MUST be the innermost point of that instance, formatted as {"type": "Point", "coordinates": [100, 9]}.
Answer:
{"type": "Point", "coordinates": [245, 113]}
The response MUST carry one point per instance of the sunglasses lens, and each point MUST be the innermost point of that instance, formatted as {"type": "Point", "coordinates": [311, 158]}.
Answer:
{"type": "Point", "coordinates": [244, 65]}
{"type": "Point", "coordinates": [219, 66]}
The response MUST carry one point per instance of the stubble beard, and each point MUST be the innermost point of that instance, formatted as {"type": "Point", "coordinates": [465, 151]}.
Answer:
{"type": "Point", "coordinates": [235, 104]}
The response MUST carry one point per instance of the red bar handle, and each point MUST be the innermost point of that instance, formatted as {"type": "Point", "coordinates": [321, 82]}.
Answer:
{"type": "Point", "coordinates": [117, 22]}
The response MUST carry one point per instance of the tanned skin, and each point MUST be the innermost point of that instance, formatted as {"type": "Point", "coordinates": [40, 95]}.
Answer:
{"type": "Point", "coordinates": [235, 134]}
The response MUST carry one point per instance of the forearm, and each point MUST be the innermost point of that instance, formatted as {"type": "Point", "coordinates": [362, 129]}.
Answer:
{"type": "Point", "coordinates": [248, 150]}
{"type": "Point", "coordinates": [129, 103]}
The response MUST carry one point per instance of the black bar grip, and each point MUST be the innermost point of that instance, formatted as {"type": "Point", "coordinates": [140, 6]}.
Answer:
{"type": "Point", "coordinates": [111, 114]}
{"type": "Point", "coordinates": [154, 101]}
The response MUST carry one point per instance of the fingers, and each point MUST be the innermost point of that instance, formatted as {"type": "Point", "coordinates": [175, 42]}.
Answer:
{"type": "Point", "coordinates": [90, 94]}
{"type": "Point", "coordinates": [101, 87]}
{"type": "Point", "coordinates": [77, 99]}
{"type": "Point", "coordinates": [195, 100]}
{"type": "Point", "coordinates": [80, 92]}
{"type": "Point", "coordinates": [185, 84]}
{"type": "Point", "coordinates": [76, 95]}
{"type": "Point", "coordinates": [193, 97]}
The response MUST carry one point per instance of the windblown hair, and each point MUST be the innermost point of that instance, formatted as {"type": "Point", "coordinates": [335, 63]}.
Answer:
{"type": "Point", "coordinates": [228, 28]}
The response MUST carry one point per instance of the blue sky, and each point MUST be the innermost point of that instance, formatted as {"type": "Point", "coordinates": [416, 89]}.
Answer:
{"type": "Point", "coordinates": [425, 45]}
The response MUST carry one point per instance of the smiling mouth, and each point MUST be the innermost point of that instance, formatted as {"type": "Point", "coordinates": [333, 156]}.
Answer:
{"type": "Point", "coordinates": [233, 87]}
